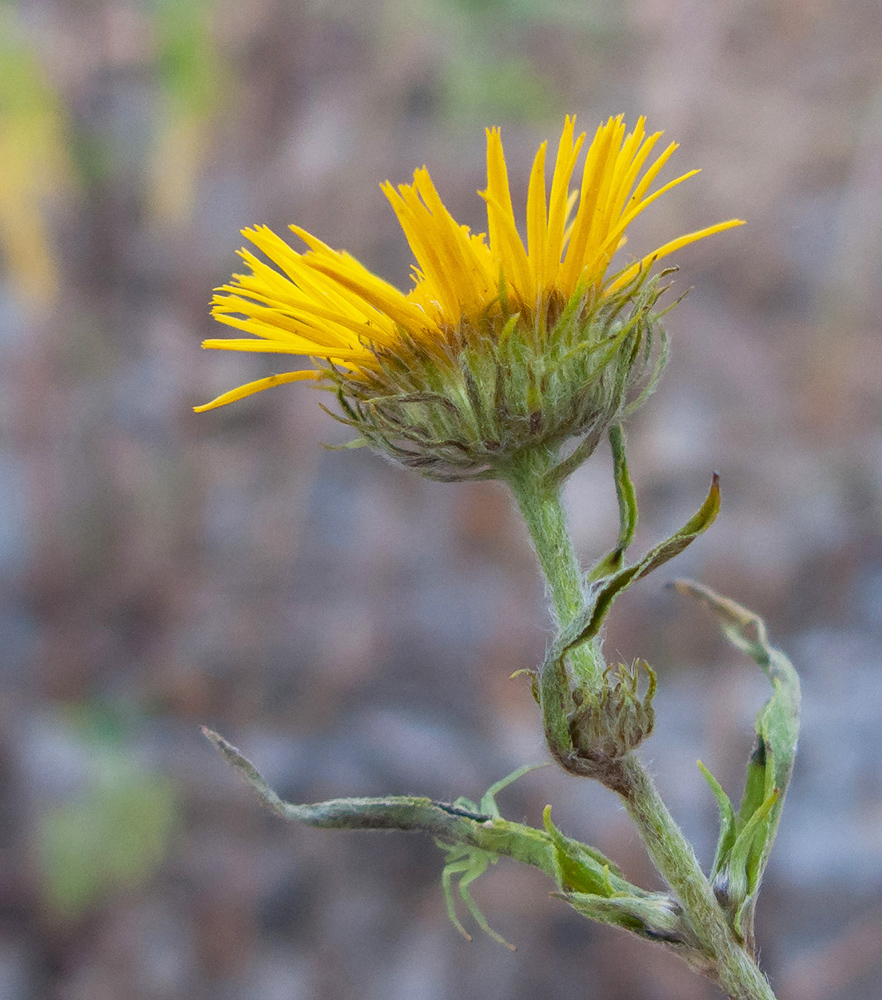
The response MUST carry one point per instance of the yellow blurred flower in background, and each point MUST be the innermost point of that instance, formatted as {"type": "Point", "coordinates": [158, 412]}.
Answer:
{"type": "Point", "coordinates": [34, 167]}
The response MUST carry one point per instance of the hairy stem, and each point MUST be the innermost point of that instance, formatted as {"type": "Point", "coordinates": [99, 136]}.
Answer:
{"type": "Point", "coordinates": [727, 962]}
{"type": "Point", "coordinates": [731, 966]}
{"type": "Point", "coordinates": [546, 521]}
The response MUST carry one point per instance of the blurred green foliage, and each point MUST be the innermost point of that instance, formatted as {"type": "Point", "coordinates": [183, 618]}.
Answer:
{"type": "Point", "coordinates": [508, 88]}
{"type": "Point", "coordinates": [491, 71]}
{"type": "Point", "coordinates": [597, 16]}
{"type": "Point", "coordinates": [116, 831]}
{"type": "Point", "coordinates": [189, 64]}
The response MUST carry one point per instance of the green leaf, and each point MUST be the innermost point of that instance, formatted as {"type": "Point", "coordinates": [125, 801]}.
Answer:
{"type": "Point", "coordinates": [472, 840]}
{"type": "Point", "coordinates": [589, 623]}
{"type": "Point", "coordinates": [348, 445]}
{"type": "Point", "coordinates": [581, 868]}
{"type": "Point", "coordinates": [771, 763]}
{"type": "Point", "coordinates": [727, 820]}
{"type": "Point", "coordinates": [756, 782]}
{"type": "Point", "coordinates": [744, 860]}
{"type": "Point", "coordinates": [627, 498]}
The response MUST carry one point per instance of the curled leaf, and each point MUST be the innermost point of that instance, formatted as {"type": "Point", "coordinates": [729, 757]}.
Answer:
{"type": "Point", "coordinates": [607, 590]}
{"type": "Point", "coordinates": [771, 763]}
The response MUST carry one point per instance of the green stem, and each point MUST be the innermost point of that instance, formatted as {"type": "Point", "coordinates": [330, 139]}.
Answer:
{"type": "Point", "coordinates": [546, 521]}
{"type": "Point", "coordinates": [728, 963]}
{"type": "Point", "coordinates": [732, 967]}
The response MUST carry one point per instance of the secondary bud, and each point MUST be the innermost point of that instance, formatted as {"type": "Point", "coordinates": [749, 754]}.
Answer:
{"type": "Point", "coordinates": [608, 724]}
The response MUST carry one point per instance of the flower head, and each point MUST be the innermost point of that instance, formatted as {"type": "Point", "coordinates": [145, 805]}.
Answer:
{"type": "Point", "coordinates": [499, 344]}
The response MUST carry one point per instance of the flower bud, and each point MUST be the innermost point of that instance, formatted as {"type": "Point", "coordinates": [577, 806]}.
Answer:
{"type": "Point", "coordinates": [608, 724]}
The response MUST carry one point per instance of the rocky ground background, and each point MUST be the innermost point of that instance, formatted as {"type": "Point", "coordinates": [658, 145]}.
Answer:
{"type": "Point", "coordinates": [353, 627]}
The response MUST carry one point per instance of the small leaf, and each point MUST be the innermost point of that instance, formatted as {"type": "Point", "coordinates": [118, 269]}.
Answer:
{"type": "Point", "coordinates": [584, 869]}
{"type": "Point", "coordinates": [472, 841]}
{"type": "Point", "coordinates": [740, 869]}
{"type": "Point", "coordinates": [627, 498]}
{"type": "Point", "coordinates": [589, 623]}
{"type": "Point", "coordinates": [758, 783]}
{"type": "Point", "coordinates": [727, 820]}
{"type": "Point", "coordinates": [348, 445]}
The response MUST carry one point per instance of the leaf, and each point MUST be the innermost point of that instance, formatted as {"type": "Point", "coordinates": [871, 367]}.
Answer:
{"type": "Point", "coordinates": [756, 782]}
{"type": "Point", "coordinates": [589, 623]}
{"type": "Point", "coordinates": [738, 856]}
{"type": "Point", "coordinates": [627, 498]}
{"type": "Point", "coordinates": [771, 763]}
{"type": "Point", "coordinates": [474, 840]}
{"type": "Point", "coordinates": [581, 868]}
{"type": "Point", "coordinates": [727, 820]}
{"type": "Point", "coordinates": [355, 443]}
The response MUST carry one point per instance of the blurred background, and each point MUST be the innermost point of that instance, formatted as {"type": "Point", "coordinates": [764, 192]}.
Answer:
{"type": "Point", "coordinates": [350, 626]}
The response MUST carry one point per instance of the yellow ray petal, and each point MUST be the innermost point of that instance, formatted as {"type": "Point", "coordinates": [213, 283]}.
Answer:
{"type": "Point", "coordinates": [497, 183]}
{"type": "Point", "coordinates": [352, 276]}
{"type": "Point", "coordinates": [537, 223]}
{"type": "Point", "coordinates": [464, 267]}
{"type": "Point", "coordinates": [653, 172]}
{"type": "Point", "coordinates": [305, 289]}
{"type": "Point", "coordinates": [601, 220]}
{"type": "Point", "coordinates": [308, 284]}
{"type": "Point", "coordinates": [251, 387]}
{"type": "Point", "coordinates": [427, 244]}
{"type": "Point", "coordinates": [631, 272]}
{"type": "Point", "coordinates": [596, 165]}
{"type": "Point", "coordinates": [630, 161]}
{"type": "Point", "coordinates": [558, 205]}
{"type": "Point", "coordinates": [509, 250]}
{"type": "Point", "coordinates": [608, 247]}
{"type": "Point", "coordinates": [274, 347]}
{"type": "Point", "coordinates": [331, 330]}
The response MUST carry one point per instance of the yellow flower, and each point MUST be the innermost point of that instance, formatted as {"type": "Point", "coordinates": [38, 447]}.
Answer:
{"type": "Point", "coordinates": [325, 305]}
